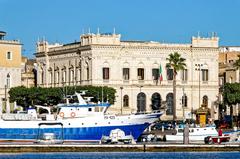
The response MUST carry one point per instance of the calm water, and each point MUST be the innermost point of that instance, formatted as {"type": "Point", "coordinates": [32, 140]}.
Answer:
{"type": "Point", "coordinates": [125, 155]}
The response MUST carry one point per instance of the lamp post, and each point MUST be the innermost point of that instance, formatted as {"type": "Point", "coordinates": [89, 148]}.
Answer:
{"type": "Point", "coordinates": [121, 88]}
{"type": "Point", "coordinates": [183, 104]}
{"type": "Point", "coordinates": [198, 68]}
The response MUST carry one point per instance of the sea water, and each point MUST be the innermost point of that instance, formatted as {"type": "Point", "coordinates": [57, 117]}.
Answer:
{"type": "Point", "coordinates": [123, 155]}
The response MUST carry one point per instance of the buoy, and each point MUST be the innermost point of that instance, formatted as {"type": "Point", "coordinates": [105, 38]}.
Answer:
{"type": "Point", "coordinates": [73, 114]}
{"type": "Point", "coordinates": [61, 114]}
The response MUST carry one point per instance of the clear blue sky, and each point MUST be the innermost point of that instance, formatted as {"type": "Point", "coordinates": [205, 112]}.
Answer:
{"type": "Point", "coordinates": [157, 20]}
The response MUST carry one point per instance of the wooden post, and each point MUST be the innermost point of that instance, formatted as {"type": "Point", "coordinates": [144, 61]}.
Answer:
{"type": "Point", "coordinates": [186, 134]}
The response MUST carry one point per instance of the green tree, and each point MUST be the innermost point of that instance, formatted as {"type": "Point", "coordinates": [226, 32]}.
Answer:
{"type": "Point", "coordinates": [177, 63]}
{"type": "Point", "coordinates": [52, 96]}
{"type": "Point", "coordinates": [231, 95]}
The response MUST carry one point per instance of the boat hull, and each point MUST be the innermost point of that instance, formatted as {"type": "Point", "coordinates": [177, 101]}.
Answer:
{"type": "Point", "coordinates": [76, 129]}
{"type": "Point", "coordinates": [78, 133]}
{"type": "Point", "coordinates": [196, 134]}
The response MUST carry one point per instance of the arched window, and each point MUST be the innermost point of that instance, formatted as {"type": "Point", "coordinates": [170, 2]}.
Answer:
{"type": "Point", "coordinates": [72, 76]}
{"type": "Point", "coordinates": [50, 75]}
{"type": "Point", "coordinates": [205, 100]}
{"type": "Point", "coordinates": [230, 79]}
{"type": "Point", "coordinates": [56, 75]}
{"type": "Point", "coordinates": [87, 69]}
{"type": "Point", "coordinates": [42, 77]}
{"type": "Point", "coordinates": [169, 104]}
{"type": "Point", "coordinates": [141, 102]}
{"type": "Point", "coordinates": [64, 75]}
{"type": "Point", "coordinates": [156, 101]}
{"type": "Point", "coordinates": [8, 80]}
{"type": "Point", "coordinates": [125, 101]}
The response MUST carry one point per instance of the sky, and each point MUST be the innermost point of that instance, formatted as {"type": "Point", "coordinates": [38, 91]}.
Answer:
{"type": "Point", "coordinates": [168, 21]}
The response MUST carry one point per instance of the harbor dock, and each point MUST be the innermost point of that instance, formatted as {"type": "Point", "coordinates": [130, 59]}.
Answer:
{"type": "Point", "coordinates": [148, 147]}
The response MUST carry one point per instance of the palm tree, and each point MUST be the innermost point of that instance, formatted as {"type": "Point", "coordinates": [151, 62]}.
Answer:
{"type": "Point", "coordinates": [177, 63]}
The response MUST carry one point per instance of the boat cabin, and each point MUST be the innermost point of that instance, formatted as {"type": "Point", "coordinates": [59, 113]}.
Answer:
{"type": "Point", "coordinates": [77, 106]}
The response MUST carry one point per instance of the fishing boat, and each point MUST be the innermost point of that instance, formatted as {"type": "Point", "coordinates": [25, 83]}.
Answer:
{"type": "Point", "coordinates": [76, 120]}
{"type": "Point", "coordinates": [196, 134]}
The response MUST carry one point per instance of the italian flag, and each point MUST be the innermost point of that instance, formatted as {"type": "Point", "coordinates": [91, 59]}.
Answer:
{"type": "Point", "coordinates": [160, 74]}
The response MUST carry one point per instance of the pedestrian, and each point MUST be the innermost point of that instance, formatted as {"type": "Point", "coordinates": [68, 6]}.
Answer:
{"type": "Point", "coordinates": [220, 132]}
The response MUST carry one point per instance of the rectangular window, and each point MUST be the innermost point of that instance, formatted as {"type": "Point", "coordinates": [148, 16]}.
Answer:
{"type": "Point", "coordinates": [205, 75]}
{"type": "Point", "coordinates": [184, 100]}
{"type": "Point", "coordinates": [140, 74]}
{"type": "Point", "coordinates": [9, 55]}
{"type": "Point", "coordinates": [125, 73]}
{"type": "Point", "coordinates": [169, 74]}
{"type": "Point", "coordinates": [184, 75]}
{"type": "Point", "coordinates": [155, 73]}
{"type": "Point", "coordinates": [105, 73]}
{"type": "Point", "coordinates": [126, 101]}
{"type": "Point", "coordinates": [8, 81]}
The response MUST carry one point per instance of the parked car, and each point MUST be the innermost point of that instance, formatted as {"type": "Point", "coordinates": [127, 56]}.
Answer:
{"type": "Point", "coordinates": [147, 138]}
{"type": "Point", "coordinates": [167, 125]}
{"type": "Point", "coordinates": [222, 124]}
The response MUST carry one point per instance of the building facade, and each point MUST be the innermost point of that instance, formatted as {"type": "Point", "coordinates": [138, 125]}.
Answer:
{"type": "Point", "coordinates": [228, 74]}
{"type": "Point", "coordinates": [10, 68]}
{"type": "Point", "coordinates": [133, 68]}
{"type": "Point", "coordinates": [28, 75]}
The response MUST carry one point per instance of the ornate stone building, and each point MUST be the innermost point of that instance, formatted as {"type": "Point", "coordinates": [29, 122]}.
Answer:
{"type": "Point", "coordinates": [133, 69]}
{"type": "Point", "coordinates": [10, 68]}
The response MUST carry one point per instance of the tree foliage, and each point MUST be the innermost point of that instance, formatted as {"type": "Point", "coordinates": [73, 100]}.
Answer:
{"type": "Point", "coordinates": [52, 96]}
{"type": "Point", "coordinates": [231, 93]}
{"type": "Point", "coordinates": [176, 62]}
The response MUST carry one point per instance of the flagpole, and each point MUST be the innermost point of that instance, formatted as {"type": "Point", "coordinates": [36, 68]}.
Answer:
{"type": "Point", "coordinates": [160, 73]}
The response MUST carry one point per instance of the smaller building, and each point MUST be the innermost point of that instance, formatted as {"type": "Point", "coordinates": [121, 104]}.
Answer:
{"type": "Point", "coordinates": [10, 68]}
{"type": "Point", "coordinates": [228, 74]}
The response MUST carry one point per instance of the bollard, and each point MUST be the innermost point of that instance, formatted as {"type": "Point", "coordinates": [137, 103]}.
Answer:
{"type": "Point", "coordinates": [144, 147]}
{"type": "Point", "coordinates": [186, 134]}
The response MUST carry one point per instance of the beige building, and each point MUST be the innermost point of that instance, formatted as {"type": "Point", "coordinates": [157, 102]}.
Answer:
{"type": "Point", "coordinates": [10, 67]}
{"type": "Point", "coordinates": [132, 68]}
{"type": "Point", "coordinates": [28, 78]}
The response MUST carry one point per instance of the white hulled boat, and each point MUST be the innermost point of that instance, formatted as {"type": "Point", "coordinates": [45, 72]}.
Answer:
{"type": "Point", "coordinates": [78, 120]}
{"type": "Point", "coordinates": [196, 134]}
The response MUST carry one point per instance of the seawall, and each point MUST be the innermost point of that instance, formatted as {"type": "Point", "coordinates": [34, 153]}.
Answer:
{"type": "Point", "coordinates": [16, 148]}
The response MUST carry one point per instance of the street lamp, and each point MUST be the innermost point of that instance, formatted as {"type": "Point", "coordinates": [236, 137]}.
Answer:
{"type": "Point", "coordinates": [198, 68]}
{"type": "Point", "coordinates": [184, 104]}
{"type": "Point", "coordinates": [121, 88]}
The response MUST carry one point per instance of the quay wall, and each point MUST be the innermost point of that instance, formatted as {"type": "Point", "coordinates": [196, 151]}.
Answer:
{"type": "Point", "coordinates": [16, 148]}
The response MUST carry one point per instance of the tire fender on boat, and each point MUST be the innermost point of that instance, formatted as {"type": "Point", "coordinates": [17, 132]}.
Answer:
{"type": "Point", "coordinates": [61, 114]}
{"type": "Point", "coordinates": [73, 114]}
